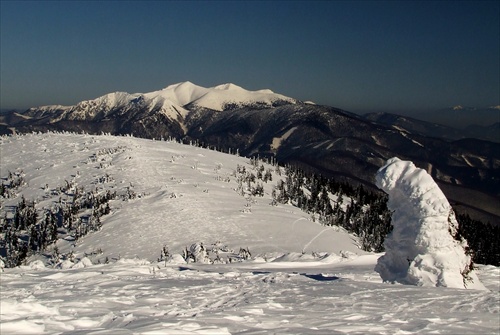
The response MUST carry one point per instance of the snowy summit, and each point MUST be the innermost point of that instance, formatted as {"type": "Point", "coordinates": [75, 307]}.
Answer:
{"type": "Point", "coordinates": [171, 100]}
{"type": "Point", "coordinates": [218, 97]}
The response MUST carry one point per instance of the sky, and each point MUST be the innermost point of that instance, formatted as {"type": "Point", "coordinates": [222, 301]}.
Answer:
{"type": "Point", "coordinates": [403, 57]}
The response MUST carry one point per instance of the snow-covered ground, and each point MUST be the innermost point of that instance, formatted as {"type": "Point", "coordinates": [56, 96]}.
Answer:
{"type": "Point", "coordinates": [244, 298]}
{"type": "Point", "coordinates": [302, 278]}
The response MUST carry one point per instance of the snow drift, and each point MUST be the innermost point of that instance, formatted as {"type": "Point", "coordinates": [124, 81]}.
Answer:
{"type": "Point", "coordinates": [421, 249]}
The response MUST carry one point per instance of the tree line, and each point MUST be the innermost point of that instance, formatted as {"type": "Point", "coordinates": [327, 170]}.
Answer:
{"type": "Point", "coordinates": [29, 232]}
{"type": "Point", "coordinates": [359, 210]}
{"type": "Point", "coordinates": [334, 203]}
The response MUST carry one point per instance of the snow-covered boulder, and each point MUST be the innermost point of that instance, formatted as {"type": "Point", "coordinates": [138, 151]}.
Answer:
{"type": "Point", "coordinates": [37, 265]}
{"type": "Point", "coordinates": [83, 263]}
{"type": "Point", "coordinates": [66, 264]}
{"type": "Point", "coordinates": [198, 253]}
{"type": "Point", "coordinates": [177, 259]}
{"type": "Point", "coordinates": [421, 249]}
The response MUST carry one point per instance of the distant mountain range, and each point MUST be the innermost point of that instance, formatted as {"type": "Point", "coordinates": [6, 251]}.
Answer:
{"type": "Point", "coordinates": [319, 138]}
{"type": "Point", "coordinates": [489, 133]}
{"type": "Point", "coordinates": [462, 117]}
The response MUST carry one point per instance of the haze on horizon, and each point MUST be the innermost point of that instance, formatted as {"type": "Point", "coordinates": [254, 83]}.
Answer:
{"type": "Point", "coordinates": [401, 57]}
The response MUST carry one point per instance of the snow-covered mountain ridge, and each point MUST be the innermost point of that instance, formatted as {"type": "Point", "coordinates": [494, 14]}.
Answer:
{"type": "Point", "coordinates": [218, 97]}
{"type": "Point", "coordinates": [172, 98]}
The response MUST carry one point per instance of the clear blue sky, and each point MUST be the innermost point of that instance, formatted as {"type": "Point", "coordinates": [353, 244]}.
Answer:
{"type": "Point", "coordinates": [359, 56]}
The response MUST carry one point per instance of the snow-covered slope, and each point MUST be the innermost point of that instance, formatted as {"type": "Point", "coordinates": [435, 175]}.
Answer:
{"type": "Point", "coordinates": [174, 195]}
{"type": "Point", "coordinates": [51, 111]}
{"type": "Point", "coordinates": [187, 195]}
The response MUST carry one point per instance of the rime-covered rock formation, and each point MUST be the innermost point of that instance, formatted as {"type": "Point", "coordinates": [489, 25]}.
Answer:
{"type": "Point", "coordinates": [421, 250]}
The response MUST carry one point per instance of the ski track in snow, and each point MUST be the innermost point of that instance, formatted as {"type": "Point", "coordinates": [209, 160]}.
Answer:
{"type": "Point", "coordinates": [291, 292]}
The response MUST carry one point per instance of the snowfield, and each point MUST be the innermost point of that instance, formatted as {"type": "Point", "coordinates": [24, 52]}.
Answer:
{"type": "Point", "coordinates": [301, 277]}
{"type": "Point", "coordinates": [131, 297]}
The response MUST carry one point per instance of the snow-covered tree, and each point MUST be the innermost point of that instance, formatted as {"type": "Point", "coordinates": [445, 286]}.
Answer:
{"type": "Point", "coordinates": [421, 250]}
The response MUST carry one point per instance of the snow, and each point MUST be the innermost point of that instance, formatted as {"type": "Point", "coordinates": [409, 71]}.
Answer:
{"type": "Point", "coordinates": [276, 143]}
{"type": "Point", "coordinates": [103, 104]}
{"type": "Point", "coordinates": [233, 87]}
{"type": "Point", "coordinates": [184, 197]}
{"type": "Point", "coordinates": [375, 139]}
{"type": "Point", "coordinates": [302, 278]}
{"type": "Point", "coordinates": [404, 132]}
{"type": "Point", "coordinates": [321, 144]}
{"type": "Point", "coordinates": [169, 101]}
{"type": "Point", "coordinates": [26, 117]}
{"type": "Point", "coordinates": [217, 97]}
{"type": "Point", "coordinates": [43, 111]}
{"type": "Point", "coordinates": [467, 161]}
{"type": "Point", "coordinates": [242, 298]}
{"type": "Point", "coordinates": [181, 93]}
{"type": "Point", "coordinates": [421, 249]}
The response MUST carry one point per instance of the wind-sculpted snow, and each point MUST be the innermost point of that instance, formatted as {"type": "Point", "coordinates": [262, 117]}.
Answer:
{"type": "Point", "coordinates": [421, 249]}
{"type": "Point", "coordinates": [308, 297]}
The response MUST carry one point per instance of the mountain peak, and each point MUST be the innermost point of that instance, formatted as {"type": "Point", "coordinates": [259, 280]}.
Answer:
{"type": "Point", "coordinates": [183, 84]}
{"type": "Point", "coordinates": [110, 100]}
{"type": "Point", "coordinates": [173, 98]}
{"type": "Point", "coordinates": [217, 97]}
{"type": "Point", "coordinates": [228, 87]}
{"type": "Point", "coordinates": [463, 108]}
